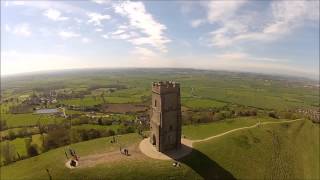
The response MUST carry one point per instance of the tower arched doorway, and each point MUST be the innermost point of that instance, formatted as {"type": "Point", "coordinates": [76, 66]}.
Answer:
{"type": "Point", "coordinates": [154, 140]}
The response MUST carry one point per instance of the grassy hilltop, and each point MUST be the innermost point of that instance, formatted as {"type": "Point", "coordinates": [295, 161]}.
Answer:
{"type": "Point", "coordinates": [102, 103]}
{"type": "Point", "coordinates": [274, 151]}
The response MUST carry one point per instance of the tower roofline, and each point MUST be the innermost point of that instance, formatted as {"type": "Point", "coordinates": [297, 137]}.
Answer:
{"type": "Point", "coordinates": [165, 87]}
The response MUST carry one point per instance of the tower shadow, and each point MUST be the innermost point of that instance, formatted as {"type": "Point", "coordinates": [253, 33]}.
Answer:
{"type": "Point", "coordinates": [203, 165]}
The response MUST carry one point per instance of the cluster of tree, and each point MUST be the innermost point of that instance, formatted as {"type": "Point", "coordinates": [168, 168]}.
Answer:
{"type": "Point", "coordinates": [49, 87]}
{"type": "Point", "coordinates": [32, 149]}
{"type": "Point", "coordinates": [125, 129]}
{"type": "Point", "coordinates": [191, 117]}
{"type": "Point", "coordinates": [8, 153]}
{"type": "Point", "coordinates": [23, 132]}
{"type": "Point", "coordinates": [73, 94]}
{"type": "Point", "coordinates": [78, 135]}
{"type": "Point", "coordinates": [56, 137]}
{"type": "Point", "coordinates": [20, 109]}
{"type": "Point", "coordinates": [3, 124]}
{"type": "Point", "coordinates": [287, 114]}
{"type": "Point", "coordinates": [99, 121]}
{"type": "Point", "coordinates": [109, 86]}
{"type": "Point", "coordinates": [11, 100]}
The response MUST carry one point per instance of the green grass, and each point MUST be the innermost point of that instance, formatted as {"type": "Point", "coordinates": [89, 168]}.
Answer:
{"type": "Point", "coordinates": [277, 151]}
{"type": "Point", "coordinates": [86, 101]}
{"type": "Point", "coordinates": [16, 130]}
{"type": "Point", "coordinates": [38, 140]}
{"type": "Point", "coordinates": [200, 131]}
{"type": "Point", "coordinates": [91, 101]}
{"type": "Point", "coordinates": [35, 168]}
{"type": "Point", "coordinates": [98, 127]}
{"type": "Point", "coordinates": [20, 146]}
{"type": "Point", "coordinates": [113, 99]}
{"type": "Point", "coordinates": [260, 91]}
{"type": "Point", "coordinates": [16, 120]}
{"type": "Point", "coordinates": [201, 103]}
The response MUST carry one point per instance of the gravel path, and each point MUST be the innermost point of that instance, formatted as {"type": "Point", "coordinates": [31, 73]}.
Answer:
{"type": "Point", "coordinates": [149, 150]}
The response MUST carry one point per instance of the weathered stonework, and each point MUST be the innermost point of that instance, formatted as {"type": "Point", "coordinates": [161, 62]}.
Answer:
{"type": "Point", "coordinates": [165, 122]}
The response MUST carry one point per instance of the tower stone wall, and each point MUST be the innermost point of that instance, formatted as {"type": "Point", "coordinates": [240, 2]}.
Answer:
{"type": "Point", "coordinates": [165, 122]}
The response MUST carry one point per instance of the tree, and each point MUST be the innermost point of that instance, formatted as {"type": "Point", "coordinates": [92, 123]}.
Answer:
{"type": "Point", "coordinates": [3, 125]}
{"type": "Point", "coordinates": [56, 137]}
{"type": "Point", "coordinates": [23, 132]}
{"type": "Point", "coordinates": [11, 134]}
{"type": "Point", "coordinates": [273, 115]}
{"type": "Point", "coordinates": [31, 148]}
{"type": "Point", "coordinates": [8, 152]}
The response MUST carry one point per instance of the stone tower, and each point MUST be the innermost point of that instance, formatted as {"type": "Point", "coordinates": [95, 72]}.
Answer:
{"type": "Point", "coordinates": [165, 122]}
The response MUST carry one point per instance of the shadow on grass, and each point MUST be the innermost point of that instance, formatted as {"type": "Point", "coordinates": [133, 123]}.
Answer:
{"type": "Point", "coordinates": [204, 166]}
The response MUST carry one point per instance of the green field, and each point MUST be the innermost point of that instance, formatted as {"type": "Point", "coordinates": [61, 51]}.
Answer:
{"type": "Point", "coordinates": [199, 89]}
{"type": "Point", "coordinates": [195, 103]}
{"type": "Point", "coordinates": [33, 130]}
{"type": "Point", "coordinates": [18, 120]}
{"type": "Point", "coordinates": [20, 146]}
{"type": "Point", "coordinates": [91, 101]}
{"type": "Point", "coordinates": [286, 151]}
{"type": "Point", "coordinates": [274, 151]}
{"type": "Point", "coordinates": [201, 131]}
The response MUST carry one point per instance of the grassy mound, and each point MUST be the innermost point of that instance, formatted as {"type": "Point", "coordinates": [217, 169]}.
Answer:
{"type": "Point", "coordinates": [273, 151]}
{"type": "Point", "coordinates": [201, 131]}
{"type": "Point", "coordinates": [277, 151]}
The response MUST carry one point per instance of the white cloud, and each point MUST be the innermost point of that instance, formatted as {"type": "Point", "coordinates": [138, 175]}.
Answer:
{"type": "Point", "coordinates": [85, 40]}
{"type": "Point", "coordinates": [221, 10]}
{"type": "Point", "coordinates": [68, 34]}
{"type": "Point", "coordinates": [98, 29]}
{"type": "Point", "coordinates": [22, 30]}
{"type": "Point", "coordinates": [140, 19]}
{"type": "Point", "coordinates": [122, 34]}
{"type": "Point", "coordinates": [105, 36]}
{"type": "Point", "coordinates": [143, 53]}
{"type": "Point", "coordinates": [18, 3]}
{"type": "Point", "coordinates": [234, 25]}
{"type": "Point", "coordinates": [7, 28]}
{"type": "Point", "coordinates": [101, 1]}
{"type": "Point", "coordinates": [197, 22]}
{"type": "Point", "coordinates": [97, 18]}
{"type": "Point", "coordinates": [54, 15]}
{"type": "Point", "coordinates": [79, 21]}
{"type": "Point", "coordinates": [119, 31]}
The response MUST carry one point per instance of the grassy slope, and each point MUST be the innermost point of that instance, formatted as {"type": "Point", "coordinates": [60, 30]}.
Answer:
{"type": "Point", "coordinates": [34, 168]}
{"type": "Point", "coordinates": [275, 151]}
{"type": "Point", "coordinates": [201, 131]}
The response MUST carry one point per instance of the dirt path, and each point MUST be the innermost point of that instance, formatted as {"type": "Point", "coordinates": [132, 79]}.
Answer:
{"type": "Point", "coordinates": [242, 128]}
{"type": "Point", "coordinates": [149, 150]}
{"type": "Point", "coordinates": [108, 157]}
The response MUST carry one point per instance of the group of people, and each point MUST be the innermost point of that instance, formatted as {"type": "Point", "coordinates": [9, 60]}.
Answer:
{"type": "Point", "coordinates": [124, 151]}
{"type": "Point", "coordinates": [74, 157]}
{"type": "Point", "coordinates": [113, 140]}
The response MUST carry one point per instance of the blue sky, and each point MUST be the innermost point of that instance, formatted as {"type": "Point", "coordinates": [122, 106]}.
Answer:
{"type": "Point", "coordinates": [275, 37]}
